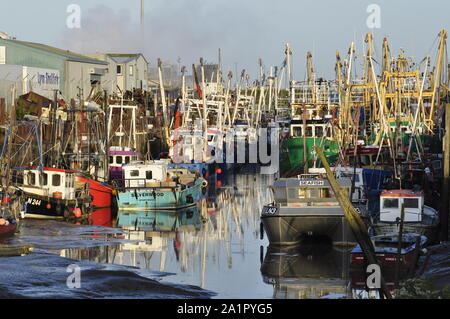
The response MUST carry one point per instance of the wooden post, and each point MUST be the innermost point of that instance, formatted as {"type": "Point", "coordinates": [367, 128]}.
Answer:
{"type": "Point", "coordinates": [399, 247]}
{"type": "Point", "coordinates": [444, 211]}
{"type": "Point", "coordinates": [354, 219]}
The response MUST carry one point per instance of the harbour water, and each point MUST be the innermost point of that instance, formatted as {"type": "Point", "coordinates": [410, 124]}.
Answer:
{"type": "Point", "coordinates": [215, 251]}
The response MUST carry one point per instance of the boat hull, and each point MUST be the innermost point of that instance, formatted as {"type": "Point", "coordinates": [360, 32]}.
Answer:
{"type": "Point", "coordinates": [291, 227]}
{"type": "Point", "coordinates": [160, 198]}
{"type": "Point", "coordinates": [7, 231]}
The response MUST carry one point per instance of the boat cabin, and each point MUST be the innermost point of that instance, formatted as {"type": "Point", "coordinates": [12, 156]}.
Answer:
{"type": "Point", "coordinates": [119, 156]}
{"type": "Point", "coordinates": [391, 203]}
{"type": "Point", "coordinates": [317, 130]}
{"type": "Point", "coordinates": [51, 182]}
{"type": "Point", "coordinates": [306, 190]}
{"type": "Point", "coordinates": [139, 175]}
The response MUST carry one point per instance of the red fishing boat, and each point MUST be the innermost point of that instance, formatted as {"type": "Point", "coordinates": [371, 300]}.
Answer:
{"type": "Point", "coordinates": [65, 194]}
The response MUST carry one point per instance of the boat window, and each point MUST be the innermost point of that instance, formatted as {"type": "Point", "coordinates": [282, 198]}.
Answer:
{"type": "Point", "coordinates": [44, 179]}
{"type": "Point", "coordinates": [313, 193]}
{"type": "Point", "coordinates": [297, 131]}
{"type": "Point", "coordinates": [309, 132]}
{"type": "Point", "coordinates": [111, 160]}
{"type": "Point", "coordinates": [56, 180]}
{"type": "Point", "coordinates": [349, 175]}
{"type": "Point", "coordinates": [69, 180]}
{"type": "Point", "coordinates": [411, 202]}
{"type": "Point", "coordinates": [325, 193]}
{"type": "Point", "coordinates": [188, 140]}
{"type": "Point", "coordinates": [302, 193]}
{"type": "Point", "coordinates": [31, 178]}
{"type": "Point", "coordinates": [390, 203]}
{"type": "Point", "coordinates": [127, 160]}
{"type": "Point", "coordinates": [291, 193]}
{"type": "Point", "coordinates": [148, 175]}
{"type": "Point", "coordinates": [210, 138]}
{"type": "Point", "coordinates": [365, 160]}
{"type": "Point", "coordinates": [318, 131]}
{"type": "Point", "coordinates": [119, 159]}
{"type": "Point", "coordinates": [134, 173]}
{"type": "Point", "coordinates": [328, 130]}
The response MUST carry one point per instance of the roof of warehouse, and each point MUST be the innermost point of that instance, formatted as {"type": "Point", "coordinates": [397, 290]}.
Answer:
{"type": "Point", "coordinates": [124, 58]}
{"type": "Point", "coordinates": [71, 56]}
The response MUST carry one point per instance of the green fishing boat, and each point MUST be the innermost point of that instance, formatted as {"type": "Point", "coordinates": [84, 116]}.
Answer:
{"type": "Point", "coordinates": [292, 155]}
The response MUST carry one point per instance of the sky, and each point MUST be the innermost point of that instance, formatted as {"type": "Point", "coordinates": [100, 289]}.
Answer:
{"type": "Point", "coordinates": [182, 31]}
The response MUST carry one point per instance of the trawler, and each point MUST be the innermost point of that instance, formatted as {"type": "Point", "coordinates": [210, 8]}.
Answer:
{"type": "Point", "coordinates": [53, 193]}
{"type": "Point", "coordinates": [306, 206]}
{"type": "Point", "coordinates": [313, 111]}
{"type": "Point", "coordinates": [154, 186]}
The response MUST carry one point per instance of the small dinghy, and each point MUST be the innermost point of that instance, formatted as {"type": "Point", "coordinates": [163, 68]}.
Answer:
{"type": "Point", "coordinates": [386, 249]}
{"type": "Point", "coordinates": [8, 227]}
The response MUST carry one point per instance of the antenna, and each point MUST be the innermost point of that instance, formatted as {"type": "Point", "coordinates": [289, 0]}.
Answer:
{"type": "Point", "coordinates": [142, 15]}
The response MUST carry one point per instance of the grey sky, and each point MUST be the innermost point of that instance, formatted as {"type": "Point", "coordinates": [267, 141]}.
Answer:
{"type": "Point", "coordinates": [244, 30]}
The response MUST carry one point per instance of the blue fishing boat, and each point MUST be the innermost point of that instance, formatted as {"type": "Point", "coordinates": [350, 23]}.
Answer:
{"type": "Point", "coordinates": [154, 186]}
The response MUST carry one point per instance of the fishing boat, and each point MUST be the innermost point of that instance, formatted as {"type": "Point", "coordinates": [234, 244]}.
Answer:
{"type": "Point", "coordinates": [152, 185]}
{"type": "Point", "coordinates": [418, 218]}
{"type": "Point", "coordinates": [306, 206]}
{"type": "Point", "coordinates": [386, 250]}
{"type": "Point", "coordinates": [53, 193]}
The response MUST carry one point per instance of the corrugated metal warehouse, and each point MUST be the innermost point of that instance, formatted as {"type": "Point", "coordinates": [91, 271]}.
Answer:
{"type": "Point", "coordinates": [75, 70]}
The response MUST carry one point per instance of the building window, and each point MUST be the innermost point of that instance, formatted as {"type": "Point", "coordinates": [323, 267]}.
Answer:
{"type": "Point", "coordinates": [119, 69]}
{"type": "Point", "coordinates": [131, 70]}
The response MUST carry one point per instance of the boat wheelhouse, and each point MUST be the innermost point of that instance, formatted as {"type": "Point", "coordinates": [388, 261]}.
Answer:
{"type": "Point", "coordinates": [301, 142]}
{"type": "Point", "coordinates": [418, 218]}
{"type": "Point", "coordinates": [306, 206]}
{"type": "Point", "coordinates": [117, 157]}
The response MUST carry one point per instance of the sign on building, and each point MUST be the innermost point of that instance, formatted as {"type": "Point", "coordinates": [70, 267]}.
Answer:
{"type": "Point", "coordinates": [2, 55]}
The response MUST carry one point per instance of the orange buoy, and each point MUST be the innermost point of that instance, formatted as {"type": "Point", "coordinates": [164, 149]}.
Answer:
{"type": "Point", "coordinates": [219, 171]}
{"type": "Point", "coordinates": [2, 222]}
{"type": "Point", "coordinates": [77, 212]}
{"type": "Point", "coordinates": [48, 206]}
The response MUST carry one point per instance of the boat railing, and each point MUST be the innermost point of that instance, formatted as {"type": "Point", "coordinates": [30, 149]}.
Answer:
{"type": "Point", "coordinates": [131, 183]}
{"type": "Point", "coordinates": [309, 176]}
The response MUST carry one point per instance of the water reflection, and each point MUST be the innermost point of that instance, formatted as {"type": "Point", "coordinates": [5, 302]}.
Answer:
{"type": "Point", "coordinates": [306, 271]}
{"type": "Point", "coordinates": [213, 245]}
